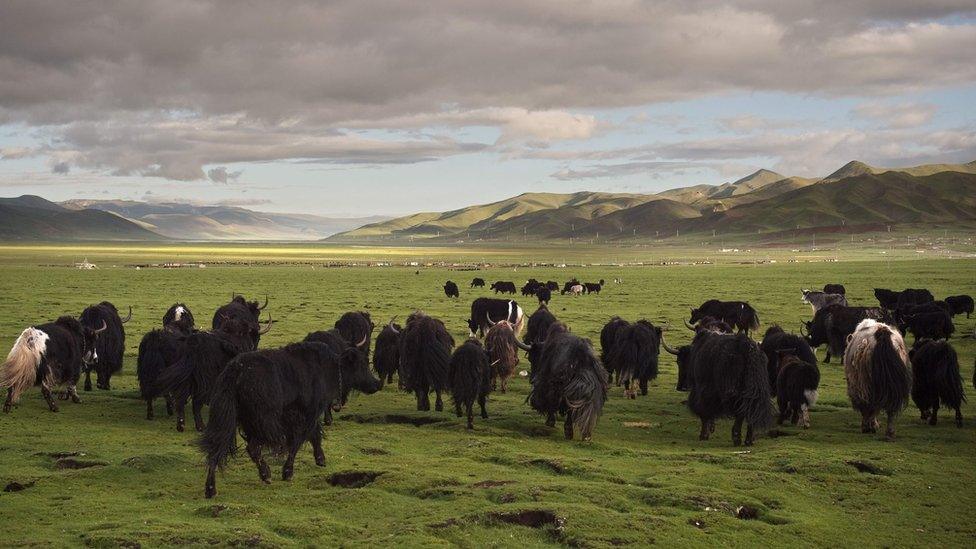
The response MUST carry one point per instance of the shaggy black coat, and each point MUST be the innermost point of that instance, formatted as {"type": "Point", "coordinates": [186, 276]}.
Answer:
{"type": "Point", "coordinates": [777, 340]}
{"type": "Point", "coordinates": [936, 380]}
{"type": "Point", "coordinates": [832, 324]}
{"type": "Point", "coordinates": [179, 318]}
{"type": "Point", "coordinates": [608, 336]}
{"type": "Point", "coordinates": [538, 325]}
{"type": "Point", "coordinates": [728, 378]}
{"type": "Point", "coordinates": [451, 289]}
{"type": "Point", "coordinates": [929, 324]}
{"type": "Point", "coordinates": [386, 357]}
{"type": "Point", "coordinates": [243, 311]}
{"type": "Point", "coordinates": [544, 294]}
{"type": "Point", "coordinates": [478, 283]}
{"type": "Point", "coordinates": [425, 354]}
{"type": "Point", "coordinates": [959, 304]}
{"type": "Point", "coordinates": [334, 340]}
{"type": "Point", "coordinates": [469, 375]}
{"type": "Point", "coordinates": [503, 287]}
{"type": "Point", "coordinates": [110, 346]}
{"type": "Point", "coordinates": [158, 350]}
{"type": "Point", "coordinates": [634, 355]}
{"type": "Point", "coordinates": [737, 314]}
{"type": "Point", "coordinates": [796, 388]}
{"type": "Point", "coordinates": [356, 327]}
{"type": "Point", "coordinates": [275, 397]}
{"type": "Point", "coordinates": [834, 289]}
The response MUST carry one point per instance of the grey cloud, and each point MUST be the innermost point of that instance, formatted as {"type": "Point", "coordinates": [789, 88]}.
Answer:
{"type": "Point", "coordinates": [221, 175]}
{"type": "Point", "coordinates": [61, 168]}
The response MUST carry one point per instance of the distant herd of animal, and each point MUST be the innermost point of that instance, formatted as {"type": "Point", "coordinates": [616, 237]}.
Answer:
{"type": "Point", "coordinates": [279, 398]}
{"type": "Point", "coordinates": [541, 290]}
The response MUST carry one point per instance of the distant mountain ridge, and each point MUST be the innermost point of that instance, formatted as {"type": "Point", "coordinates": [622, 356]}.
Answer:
{"type": "Point", "coordinates": [33, 218]}
{"type": "Point", "coordinates": [857, 193]}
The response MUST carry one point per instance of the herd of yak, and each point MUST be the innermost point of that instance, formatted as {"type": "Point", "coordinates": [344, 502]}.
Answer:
{"type": "Point", "coordinates": [279, 398]}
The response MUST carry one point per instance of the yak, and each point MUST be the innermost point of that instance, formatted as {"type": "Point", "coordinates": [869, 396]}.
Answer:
{"type": "Point", "coordinates": [179, 318]}
{"type": "Point", "coordinates": [935, 379]}
{"type": "Point", "coordinates": [158, 350]}
{"type": "Point", "coordinates": [681, 354]}
{"type": "Point", "coordinates": [831, 326]}
{"type": "Point", "coordinates": [777, 340]}
{"type": "Point", "coordinates": [502, 347]}
{"type": "Point", "coordinates": [834, 289]}
{"type": "Point", "coordinates": [727, 377]}
{"type": "Point", "coordinates": [568, 287]}
{"type": "Point", "coordinates": [470, 378]}
{"type": "Point", "coordinates": [578, 289]}
{"type": "Point", "coordinates": [568, 380]}
{"type": "Point", "coordinates": [738, 314]}
{"type": "Point", "coordinates": [544, 295]}
{"type": "Point", "coordinates": [386, 357]}
{"type": "Point", "coordinates": [539, 324]}
{"type": "Point", "coordinates": [49, 355]}
{"type": "Point", "coordinates": [195, 374]}
{"type": "Point", "coordinates": [913, 296]}
{"type": "Point", "coordinates": [240, 309]}
{"type": "Point", "coordinates": [503, 287]}
{"type": "Point", "coordinates": [593, 287]}
{"type": "Point", "coordinates": [930, 323]}
{"type": "Point", "coordinates": [634, 355]}
{"type": "Point", "coordinates": [275, 397]}
{"type": "Point", "coordinates": [876, 366]}
{"type": "Point", "coordinates": [356, 327]}
{"type": "Point", "coordinates": [888, 299]}
{"type": "Point", "coordinates": [959, 304]}
{"type": "Point", "coordinates": [796, 387]}
{"type": "Point", "coordinates": [110, 346]}
{"type": "Point", "coordinates": [334, 339]}
{"type": "Point", "coordinates": [608, 336]}
{"type": "Point", "coordinates": [477, 283]}
{"type": "Point", "coordinates": [531, 287]}
{"type": "Point", "coordinates": [486, 310]}
{"type": "Point", "coordinates": [552, 286]}
{"type": "Point", "coordinates": [425, 354]}
{"type": "Point", "coordinates": [819, 300]}
{"type": "Point", "coordinates": [451, 289]}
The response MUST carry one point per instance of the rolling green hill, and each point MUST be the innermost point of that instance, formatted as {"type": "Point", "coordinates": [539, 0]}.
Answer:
{"type": "Point", "coordinates": [33, 218]}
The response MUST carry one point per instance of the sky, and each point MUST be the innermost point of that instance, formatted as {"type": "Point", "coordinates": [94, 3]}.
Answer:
{"type": "Point", "coordinates": [357, 108]}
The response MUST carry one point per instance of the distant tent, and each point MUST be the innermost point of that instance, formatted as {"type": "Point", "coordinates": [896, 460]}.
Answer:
{"type": "Point", "coordinates": [86, 265]}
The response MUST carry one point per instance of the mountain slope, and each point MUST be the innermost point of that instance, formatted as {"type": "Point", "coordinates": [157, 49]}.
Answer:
{"type": "Point", "coordinates": [41, 221]}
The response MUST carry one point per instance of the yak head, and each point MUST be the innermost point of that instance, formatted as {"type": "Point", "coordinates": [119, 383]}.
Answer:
{"type": "Point", "coordinates": [696, 315]}
{"type": "Point", "coordinates": [356, 374]}
{"type": "Point", "coordinates": [86, 334]}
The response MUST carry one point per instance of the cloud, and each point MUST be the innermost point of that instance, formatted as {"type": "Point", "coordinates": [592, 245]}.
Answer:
{"type": "Point", "coordinates": [902, 115]}
{"type": "Point", "coordinates": [61, 168]}
{"type": "Point", "coordinates": [221, 175]}
{"type": "Point", "coordinates": [655, 170]}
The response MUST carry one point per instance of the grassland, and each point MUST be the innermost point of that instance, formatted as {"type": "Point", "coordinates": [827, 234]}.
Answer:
{"type": "Point", "coordinates": [644, 479]}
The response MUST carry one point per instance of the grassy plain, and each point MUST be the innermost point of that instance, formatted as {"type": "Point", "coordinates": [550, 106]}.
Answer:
{"type": "Point", "coordinates": [644, 479]}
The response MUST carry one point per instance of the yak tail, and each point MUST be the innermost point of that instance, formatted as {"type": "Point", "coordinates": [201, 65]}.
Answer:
{"type": "Point", "coordinates": [465, 380]}
{"type": "Point", "coordinates": [19, 372]}
{"type": "Point", "coordinates": [219, 439]}
{"type": "Point", "coordinates": [949, 379]}
{"type": "Point", "coordinates": [891, 380]}
{"type": "Point", "coordinates": [175, 379]}
{"type": "Point", "coordinates": [150, 364]}
{"type": "Point", "coordinates": [754, 323]}
{"type": "Point", "coordinates": [586, 392]}
{"type": "Point", "coordinates": [754, 403]}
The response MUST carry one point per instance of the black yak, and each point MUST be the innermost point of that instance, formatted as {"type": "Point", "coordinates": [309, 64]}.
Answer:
{"type": "Point", "coordinates": [593, 287]}
{"type": "Point", "coordinates": [834, 289]}
{"type": "Point", "coordinates": [158, 350]}
{"type": "Point", "coordinates": [110, 346]}
{"type": "Point", "coordinates": [959, 304]}
{"type": "Point", "coordinates": [796, 387]}
{"type": "Point", "coordinates": [503, 287]}
{"type": "Point", "coordinates": [356, 327]}
{"type": "Point", "coordinates": [608, 336]}
{"type": "Point", "coordinates": [913, 296]}
{"type": "Point", "coordinates": [49, 355]}
{"type": "Point", "coordinates": [531, 287]}
{"type": "Point", "coordinates": [478, 283]}
{"type": "Point", "coordinates": [386, 356]}
{"type": "Point", "coordinates": [888, 299]}
{"type": "Point", "coordinates": [179, 318]}
{"type": "Point", "coordinates": [876, 366]}
{"type": "Point", "coordinates": [933, 323]}
{"type": "Point", "coordinates": [819, 300]}
{"type": "Point", "coordinates": [634, 355]}
{"type": "Point", "coordinates": [568, 287]}
{"type": "Point", "coordinates": [777, 340]}
{"type": "Point", "coordinates": [568, 380]}
{"type": "Point", "coordinates": [737, 314]}
{"type": "Point", "coordinates": [240, 309]}
{"type": "Point", "coordinates": [681, 354]}
{"type": "Point", "coordinates": [936, 380]}
{"type": "Point", "coordinates": [275, 397]}
{"type": "Point", "coordinates": [502, 346]}
{"type": "Point", "coordinates": [543, 294]}
{"type": "Point", "coordinates": [831, 326]}
{"type": "Point", "coordinates": [195, 374]}
{"type": "Point", "coordinates": [425, 354]}
{"type": "Point", "coordinates": [333, 338]}
{"type": "Point", "coordinates": [727, 377]}
{"type": "Point", "coordinates": [486, 310]}
{"type": "Point", "coordinates": [470, 378]}
{"type": "Point", "coordinates": [451, 289]}
{"type": "Point", "coordinates": [552, 286]}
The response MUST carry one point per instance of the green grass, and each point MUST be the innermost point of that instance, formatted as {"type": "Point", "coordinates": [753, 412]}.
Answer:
{"type": "Point", "coordinates": [645, 477]}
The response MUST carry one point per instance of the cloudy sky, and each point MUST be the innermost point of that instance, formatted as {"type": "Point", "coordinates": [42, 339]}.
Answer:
{"type": "Point", "coordinates": [366, 107]}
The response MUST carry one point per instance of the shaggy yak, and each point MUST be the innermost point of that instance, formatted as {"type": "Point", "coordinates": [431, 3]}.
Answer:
{"type": "Point", "coordinates": [275, 397]}
{"type": "Point", "coordinates": [477, 283]}
{"type": "Point", "coordinates": [179, 318]}
{"type": "Point", "coordinates": [425, 355]}
{"type": "Point", "coordinates": [110, 345]}
{"type": "Point", "coordinates": [49, 355]}
{"type": "Point", "coordinates": [608, 336]}
{"type": "Point", "coordinates": [876, 366]}
{"type": "Point", "coordinates": [158, 350]}
{"type": "Point", "coordinates": [544, 295]}
{"type": "Point", "coordinates": [470, 377]}
{"type": "Point", "coordinates": [819, 300]}
{"type": "Point", "coordinates": [386, 357]}
{"type": "Point", "coordinates": [737, 314]}
{"type": "Point", "coordinates": [244, 311]}
{"type": "Point", "coordinates": [959, 304]}
{"type": "Point", "coordinates": [339, 345]}
{"type": "Point", "coordinates": [796, 387]}
{"type": "Point", "coordinates": [634, 356]}
{"type": "Point", "coordinates": [707, 324]}
{"type": "Point", "coordinates": [568, 379]}
{"type": "Point", "coordinates": [451, 289]}
{"type": "Point", "coordinates": [777, 340]}
{"type": "Point", "coordinates": [356, 327]}
{"type": "Point", "coordinates": [834, 289]}
{"type": "Point", "coordinates": [936, 379]}
{"type": "Point", "coordinates": [502, 347]}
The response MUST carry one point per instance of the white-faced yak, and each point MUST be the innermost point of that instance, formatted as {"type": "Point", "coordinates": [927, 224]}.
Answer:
{"type": "Point", "coordinates": [728, 378]}
{"type": "Point", "coordinates": [797, 382]}
{"type": "Point", "coordinates": [634, 355]}
{"type": "Point", "coordinates": [470, 377]}
{"type": "Point", "coordinates": [49, 355]}
{"type": "Point", "coordinates": [179, 318]}
{"type": "Point", "coordinates": [243, 310]}
{"type": "Point", "coordinates": [276, 397]}
{"type": "Point", "coordinates": [206, 355]}
{"type": "Point", "coordinates": [569, 380]}
{"type": "Point", "coordinates": [425, 353]}
{"type": "Point", "coordinates": [876, 366]}
{"type": "Point", "coordinates": [110, 345]}
{"type": "Point", "coordinates": [386, 357]}
{"type": "Point", "coordinates": [936, 380]}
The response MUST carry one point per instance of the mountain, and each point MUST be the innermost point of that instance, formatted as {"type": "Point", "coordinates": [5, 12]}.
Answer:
{"type": "Point", "coordinates": [33, 218]}
{"type": "Point", "coordinates": [192, 222]}
{"type": "Point", "coordinates": [855, 168]}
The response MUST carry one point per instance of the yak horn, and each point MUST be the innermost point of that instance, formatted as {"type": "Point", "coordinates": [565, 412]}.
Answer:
{"type": "Point", "coordinates": [523, 346]}
{"type": "Point", "coordinates": [490, 323]}
{"type": "Point", "coordinates": [267, 326]}
{"type": "Point", "coordinates": [128, 318]}
{"type": "Point", "coordinates": [667, 347]}
{"type": "Point", "coordinates": [690, 326]}
{"type": "Point", "coordinates": [390, 326]}
{"type": "Point", "coordinates": [363, 341]}
{"type": "Point", "coordinates": [102, 329]}
{"type": "Point", "coordinates": [261, 308]}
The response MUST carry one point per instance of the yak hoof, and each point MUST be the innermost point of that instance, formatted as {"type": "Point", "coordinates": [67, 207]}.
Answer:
{"type": "Point", "coordinates": [749, 442]}
{"type": "Point", "coordinates": [179, 427]}
{"type": "Point", "coordinates": [6, 408]}
{"type": "Point", "coordinates": [88, 386]}
{"type": "Point", "coordinates": [209, 492]}
{"type": "Point", "coordinates": [736, 441]}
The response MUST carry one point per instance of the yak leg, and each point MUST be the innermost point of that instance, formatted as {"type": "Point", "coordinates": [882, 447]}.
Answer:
{"type": "Point", "coordinates": [294, 444]}
{"type": "Point", "coordinates": [169, 404]}
{"type": "Point", "coordinates": [149, 408]}
{"type": "Point", "coordinates": [705, 430]}
{"type": "Point", "coordinates": [890, 427]}
{"type": "Point", "coordinates": [784, 410]}
{"type": "Point", "coordinates": [439, 404]}
{"type": "Point", "coordinates": [7, 404]}
{"type": "Point", "coordinates": [46, 391]}
{"type": "Point", "coordinates": [88, 385]}
{"type": "Point", "coordinates": [924, 413]}
{"type": "Point", "coordinates": [180, 412]}
{"type": "Point", "coordinates": [389, 377]}
{"type": "Point", "coordinates": [254, 450]}
{"type": "Point", "coordinates": [198, 414]}
{"type": "Point", "coordinates": [958, 417]}
{"type": "Point", "coordinates": [797, 410]}
{"type": "Point", "coordinates": [737, 431]}
{"type": "Point", "coordinates": [316, 439]}
{"type": "Point", "coordinates": [806, 416]}
{"type": "Point", "coordinates": [423, 400]}
{"type": "Point", "coordinates": [750, 435]}
{"type": "Point", "coordinates": [934, 417]}
{"type": "Point", "coordinates": [568, 425]}
{"type": "Point", "coordinates": [826, 359]}
{"type": "Point", "coordinates": [643, 387]}
{"type": "Point", "coordinates": [328, 415]}
{"type": "Point", "coordinates": [469, 407]}
{"type": "Point", "coordinates": [551, 420]}
{"type": "Point", "coordinates": [504, 384]}
{"type": "Point", "coordinates": [210, 487]}
{"type": "Point", "coordinates": [73, 394]}
{"type": "Point", "coordinates": [484, 411]}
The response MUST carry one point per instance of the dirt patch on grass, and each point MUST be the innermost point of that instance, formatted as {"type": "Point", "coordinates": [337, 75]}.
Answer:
{"type": "Point", "coordinates": [868, 467]}
{"type": "Point", "coordinates": [71, 463]}
{"type": "Point", "coordinates": [492, 483]}
{"type": "Point", "coordinates": [60, 455]}
{"type": "Point", "coordinates": [374, 451]}
{"type": "Point", "coordinates": [395, 419]}
{"type": "Point", "coordinates": [533, 518]}
{"type": "Point", "coordinates": [14, 486]}
{"type": "Point", "coordinates": [353, 479]}
{"type": "Point", "coordinates": [776, 433]}
{"type": "Point", "coordinates": [550, 465]}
